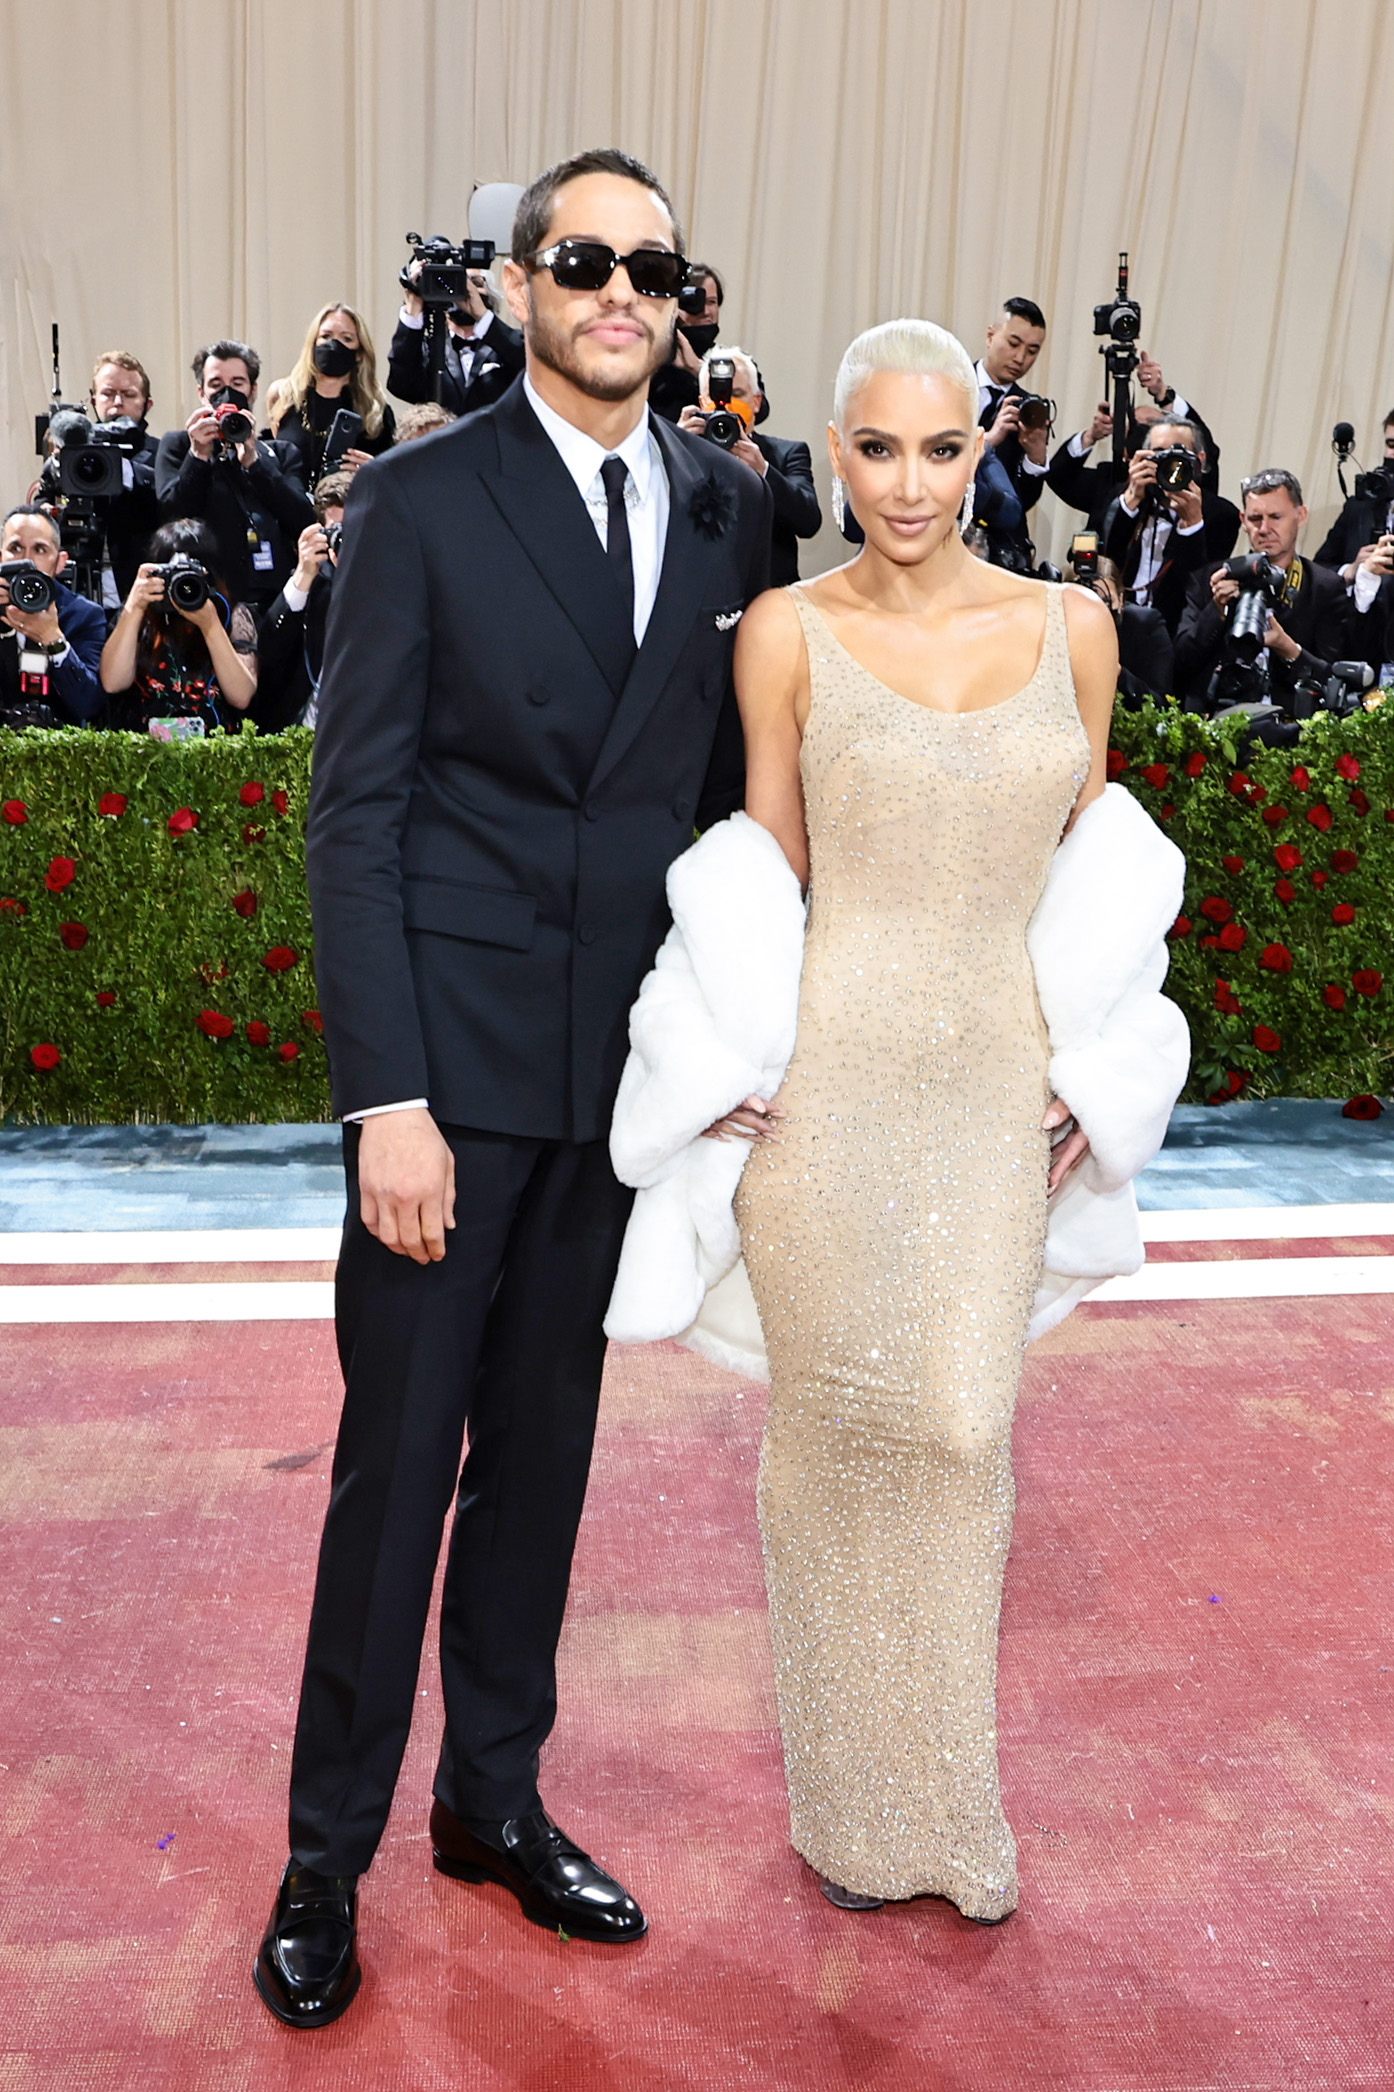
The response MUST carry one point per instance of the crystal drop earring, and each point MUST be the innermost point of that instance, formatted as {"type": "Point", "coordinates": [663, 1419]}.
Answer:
{"type": "Point", "coordinates": [839, 501]}
{"type": "Point", "coordinates": [965, 514]}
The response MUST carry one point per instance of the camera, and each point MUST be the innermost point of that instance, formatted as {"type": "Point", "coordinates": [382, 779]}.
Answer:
{"type": "Point", "coordinates": [692, 298]}
{"type": "Point", "coordinates": [445, 268]}
{"type": "Point", "coordinates": [1084, 556]}
{"type": "Point", "coordinates": [232, 412]}
{"type": "Point", "coordinates": [1121, 318]}
{"type": "Point", "coordinates": [724, 427]}
{"type": "Point", "coordinates": [31, 590]}
{"type": "Point", "coordinates": [1261, 587]}
{"type": "Point", "coordinates": [333, 538]}
{"type": "Point", "coordinates": [1345, 687]}
{"type": "Point", "coordinates": [1377, 486]}
{"type": "Point", "coordinates": [1035, 412]}
{"type": "Point", "coordinates": [86, 457]}
{"type": "Point", "coordinates": [187, 586]}
{"type": "Point", "coordinates": [1176, 468]}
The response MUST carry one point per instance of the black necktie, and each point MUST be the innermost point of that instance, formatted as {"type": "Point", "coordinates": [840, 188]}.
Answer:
{"type": "Point", "coordinates": [614, 472]}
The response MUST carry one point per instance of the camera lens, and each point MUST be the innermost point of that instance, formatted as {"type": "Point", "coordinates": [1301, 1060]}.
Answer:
{"type": "Point", "coordinates": [724, 429]}
{"type": "Point", "coordinates": [187, 590]}
{"type": "Point", "coordinates": [32, 592]}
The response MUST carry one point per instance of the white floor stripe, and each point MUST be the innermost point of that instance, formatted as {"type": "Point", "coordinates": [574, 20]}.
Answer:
{"type": "Point", "coordinates": [1266, 1223]}
{"type": "Point", "coordinates": [1253, 1278]}
{"type": "Point", "coordinates": [173, 1246]}
{"type": "Point", "coordinates": [291, 1300]}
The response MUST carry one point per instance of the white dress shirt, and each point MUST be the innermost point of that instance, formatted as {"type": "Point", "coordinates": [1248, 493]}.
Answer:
{"type": "Point", "coordinates": [990, 392]}
{"type": "Point", "coordinates": [645, 498]}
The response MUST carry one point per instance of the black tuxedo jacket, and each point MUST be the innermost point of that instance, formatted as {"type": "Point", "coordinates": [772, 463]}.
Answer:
{"type": "Point", "coordinates": [1182, 555]}
{"type": "Point", "coordinates": [409, 369]}
{"type": "Point", "coordinates": [1319, 618]}
{"type": "Point", "coordinates": [1146, 657]}
{"type": "Point", "coordinates": [1359, 523]}
{"type": "Point", "coordinates": [1081, 485]}
{"type": "Point", "coordinates": [500, 782]}
{"type": "Point", "coordinates": [290, 655]}
{"type": "Point", "coordinates": [795, 498]}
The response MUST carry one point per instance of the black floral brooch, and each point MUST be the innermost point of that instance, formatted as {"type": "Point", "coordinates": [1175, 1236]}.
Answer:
{"type": "Point", "coordinates": [712, 507]}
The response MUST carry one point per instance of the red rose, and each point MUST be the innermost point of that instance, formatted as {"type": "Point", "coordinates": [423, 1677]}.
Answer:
{"type": "Point", "coordinates": [290, 1051]}
{"type": "Point", "coordinates": [1343, 913]}
{"type": "Point", "coordinates": [1233, 864]}
{"type": "Point", "coordinates": [245, 902]}
{"type": "Point", "coordinates": [1116, 764]}
{"type": "Point", "coordinates": [105, 998]}
{"type": "Point", "coordinates": [1368, 981]}
{"type": "Point", "coordinates": [253, 835]}
{"type": "Point", "coordinates": [1360, 801]}
{"type": "Point", "coordinates": [1319, 879]}
{"type": "Point", "coordinates": [1299, 780]}
{"type": "Point", "coordinates": [1347, 767]}
{"type": "Point", "coordinates": [1208, 942]}
{"type": "Point", "coordinates": [1267, 1041]}
{"type": "Point", "coordinates": [1363, 1107]}
{"type": "Point", "coordinates": [112, 804]}
{"type": "Point", "coordinates": [281, 802]}
{"type": "Point", "coordinates": [1216, 910]}
{"type": "Point", "coordinates": [1287, 857]}
{"type": "Point", "coordinates": [259, 1034]}
{"type": "Point", "coordinates": [1276, 957]}
{"type": "Point", "coordinates": [1156, 773]}
{"type": "Point", "coordinates": [61, 872]}
{"type": "Point", "coordinates": [182, 820]}
{"type": "Point", "coordinates": [1285, 890]}
{"type": "Point", "coordinates": [1226, 999]}
{"type": "Point", "coordinates": [15, 812]}
{"type": "Point", "coordinates": [1257, 792]}
{"type": "Point", "coordinates": [1320, 815]}
{"type": "Point", "coordinates": [1233, 938]}
{"type": "Point", "coordinates": [214, 1025]}
{"type": "Point", "coordinates": [280, 959]}
{"type": "Point", "coordinates": [1344, 860]}
{"type": "Point", "coordinates": [1275, 815]}
{"type": "Point", "coordinates": [1389, 813]}
{"type": "Point", "coordinates": [10, 906]}
{"type": "Point", "coordinates": [74, 935]}
{"type": "Point", "coordinates": [1195, 762]}
{"type": "Point", "coordinates": [316, 1022]}
{"type": "Point", "coordinates": [45, 1056]}
{"type": "Point", "coordinates": [1239, 783]}
{"type": "Point", "coordinates": [1180, 928]}
{"type": "Point", "coordinates": [1333, 996]}
{"type": "Point", "coordinates": [1164, 813]}
{"type": "Point", "coordinates": [252, 794]}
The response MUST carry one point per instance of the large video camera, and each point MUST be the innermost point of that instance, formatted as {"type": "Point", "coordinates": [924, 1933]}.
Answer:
{"type": "Point", "coordinates": [85, 457]}
{"type": "Point", "coordinates": [1376, 486]}
{"type": "Point", "coordinates": [445, 268]}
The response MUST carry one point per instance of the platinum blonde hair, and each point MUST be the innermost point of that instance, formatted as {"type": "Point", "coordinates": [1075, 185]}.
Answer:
{"type": "Point", "coordinates": [918, 347]}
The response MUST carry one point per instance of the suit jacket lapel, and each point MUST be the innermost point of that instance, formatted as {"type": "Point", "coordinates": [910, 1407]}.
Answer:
{"type": "Point", "coordinates": [687, 565]}
{"type": "Point", "coordinates": [537, 498]}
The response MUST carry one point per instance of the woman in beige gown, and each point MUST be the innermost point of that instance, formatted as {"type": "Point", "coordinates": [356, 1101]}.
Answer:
{"type": "Point", "coordinates": [920, 728]}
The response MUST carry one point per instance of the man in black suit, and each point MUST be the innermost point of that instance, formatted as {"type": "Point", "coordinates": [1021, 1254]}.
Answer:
{"type": "Point", "coordinates": [526, 706]}
{"type": "Point", "coordinates": [1146, 659]}
{"type": "Point", "coordinates": [1305, 633]}
{"type": "Point", "coordinates": [782, 462]}
{"type": "Point", "coordinates": [290, 635]}
{"type": "Point", "coordinates": [483, 354]}
{"type": "Point", "coordinates": [1092, 487]}
{"type": "Point", "coordinates": [1014, 341]}
{"type": "Point", "coordinates": [249, 492]}
{"type": "Point", "coordinates": [120, 390]}
{"type": "Point", "coordinates": [1158, 539]}
{"type": "Point", "coordinates": [49, 659]}
{"type": "Point", "coordinates": [1363, 519]}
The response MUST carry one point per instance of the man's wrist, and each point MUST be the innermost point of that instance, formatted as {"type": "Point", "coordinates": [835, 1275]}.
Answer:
{"type": "Point", "coordinates": [406, 318]}
{"type": "Point", "coordinates": [379, 1111]}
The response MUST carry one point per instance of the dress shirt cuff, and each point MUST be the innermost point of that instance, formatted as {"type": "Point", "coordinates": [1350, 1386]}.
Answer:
{"type": "Point", "coordinates": [411, 319]}
{"type": "Point", "coordinates": [1079, 445]}
{"type": "Point", "coordinates": [1036, 471]}
{"type": "Point", "coordinates": [1364, 588]}
{"type": "Point", "coordinates": [296, 599]}
{"type": "Point", "coordinates": [1123, 504]}
{"type": "Point", "coordinates": [1179, 406]}
{"type": "Point", "coordinates": [376, 1111]}
{"type": "Point", "coordinates": [128, 474]}
{"type": "Point", "coordinates": [1188, 530]}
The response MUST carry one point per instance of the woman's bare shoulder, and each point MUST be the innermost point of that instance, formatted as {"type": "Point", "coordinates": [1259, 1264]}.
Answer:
{"type": "Point", "coordinates": [1088, 622]}
{"type": "Point", "coordinates": [771, 625]}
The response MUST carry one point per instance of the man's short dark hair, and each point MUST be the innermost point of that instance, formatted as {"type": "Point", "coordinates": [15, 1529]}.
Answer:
{"type": "Point", "coordinates": [534, 218]}
{"type": "Point", "coordinates": [331, 492]}
{"type": "Point", "coordinates": [225, 351]}
{"type": "Point", "coordinates": [1388, 418]}
{"type": "Point", "coordinates": [1025, 309]}
{"type": "Point", "coordinates": [1268, 480]}
{"type": "Point", "coordinates": [32, 508]}
{"type": "Point", "coordinates": [1176, 421]}
{"type": "Point", "coordinates": [700, 271]}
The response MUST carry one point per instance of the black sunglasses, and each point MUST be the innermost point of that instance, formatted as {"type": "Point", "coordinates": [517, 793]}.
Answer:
{"type": "Point", "coordinates": [588, 265]}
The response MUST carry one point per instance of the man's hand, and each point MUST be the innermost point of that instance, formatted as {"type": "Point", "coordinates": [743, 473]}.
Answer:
{"type": "Point", "coordinates": [41, 626]}
{"type": "Point", "coordinates": [1224, 589]}
{"type": "Point", "coordinates": [247, 451]}
{"type": "Point", "coordinates": [310, 548]}
{"type": "Point", "coordinates": [684, 355]}
{"type": "Point", "coordinates": [1278, 641]}
{"type": "Point", "coordinates": [1099, 428]}
{"type": "Point", "coordinates": [750, 453]}
{"type": "Point", "coordinates": [1188, 508]}
{"type": "Point", "coordinates": [203, 433]}
{"type": "Point", "coordinates": [1035, 444]}
{"type": "Point", "coordinates": [1142, 474]}
{"type": "Point", "coordinates": [410, 299]}
{"type": "Point", "coordinates": [406, 1184]}
{"type": "Point", "coordinates": [1007, 421]}
{"type": "Point", "coordinates": [693, 420]}
{"type": "Point", "coordinates": [1149, 376]}
{"type": "Point", "coordinates": [1379, 558]}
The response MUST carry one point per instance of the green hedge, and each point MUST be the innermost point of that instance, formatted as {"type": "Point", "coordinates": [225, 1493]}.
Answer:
{"type": "Point", "coordinates": [1284, 996]}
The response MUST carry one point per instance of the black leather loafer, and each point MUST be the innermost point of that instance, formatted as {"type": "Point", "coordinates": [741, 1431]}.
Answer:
{"type": "Point", "coordinates": [557, 1884]}
{"type": "Point", "coordinates": [307, 1972]}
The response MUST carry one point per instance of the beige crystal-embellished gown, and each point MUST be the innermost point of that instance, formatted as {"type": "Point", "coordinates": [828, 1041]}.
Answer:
{"type": "Point", "coordinates": [894, 1239]}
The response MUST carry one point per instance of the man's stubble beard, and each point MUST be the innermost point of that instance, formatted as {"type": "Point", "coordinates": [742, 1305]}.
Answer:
{"type": "Point", "coordinates": [555, 348]}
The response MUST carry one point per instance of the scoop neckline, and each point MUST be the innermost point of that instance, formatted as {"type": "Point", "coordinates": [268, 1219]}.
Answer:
{"type": "Point", "coordinates": [934, 711]}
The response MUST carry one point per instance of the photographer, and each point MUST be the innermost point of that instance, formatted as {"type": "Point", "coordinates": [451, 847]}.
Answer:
{"type": "Point", "coordinates": [120, 391]}
{"type": "Point", "coordinates": [784, 464]}
{"type": "Point", "coordinates": [1014, 341]}
{"type": "Point", "coordinates": [1307, 627]}
{"type": "Point", "coordinates": [674, 385]}
{"type": "Point", "coordinates": [1365, 517]}
{"type": "Point", "coordinates": [1092, 487]}
{"type": "Point", "coordinates": [336, 370]}
{"type": "Point", "coordinates": [48, 657]}
{"type": "Point", "coordinates": [483, 354]}
{"type": "Point", "coordinates": [290, 636]}
{"type": "Point", "coordinates": [250, 493]}
{"type": "Point", "coordinates": [173, 672]}
{"type": "Point", "coordinates": [1159, 532]}
{"type": "Point", "coordinates": [1146, 659]}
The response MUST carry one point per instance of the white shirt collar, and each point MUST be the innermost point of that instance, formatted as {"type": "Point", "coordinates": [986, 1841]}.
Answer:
{"type": "Point", "coordinates": [583, 456]}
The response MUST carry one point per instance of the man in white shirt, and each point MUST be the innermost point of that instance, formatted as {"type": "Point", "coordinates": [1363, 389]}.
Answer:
{"type": "Point", "coordinates": [1162, 526]}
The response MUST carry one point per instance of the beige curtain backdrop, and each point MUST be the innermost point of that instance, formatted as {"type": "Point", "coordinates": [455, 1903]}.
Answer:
{"type": "Point", "coordinates": [172, 170]}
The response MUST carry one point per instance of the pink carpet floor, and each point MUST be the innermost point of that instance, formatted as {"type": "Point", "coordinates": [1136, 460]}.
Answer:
{"type": "Point", "coordinates": [1196, 1723]}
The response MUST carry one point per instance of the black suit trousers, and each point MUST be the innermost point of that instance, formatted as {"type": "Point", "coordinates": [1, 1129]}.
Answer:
{"type": "Point", "coordinates": [499, 1344]}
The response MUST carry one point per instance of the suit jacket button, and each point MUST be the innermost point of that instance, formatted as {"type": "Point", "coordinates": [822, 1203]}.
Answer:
{"type": "Point", "coordinates": [586, 933]}
{"type": "Point", "coordinates": [591, 811]}
{"type": "Point", "coordinates": [682, 811]}
{"type": "Point", "coordinates": [539, 697]}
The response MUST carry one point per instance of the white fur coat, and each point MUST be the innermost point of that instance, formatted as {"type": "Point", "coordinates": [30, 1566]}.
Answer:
{"type": "Point", "coordinates": [716, 1020]}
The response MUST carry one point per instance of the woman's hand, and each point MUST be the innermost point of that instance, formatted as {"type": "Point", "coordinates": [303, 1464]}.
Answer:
{"type": "Point", "coordinates": [753, 1120]}
{"type": "Point", "coordinates": [1067, 1154]}
{"type": "Point", "coordinates": [207, 617]}
{"type": "Point", "coordinates": [352, 459]}
{"type": "Point", "coordinates": [147, 588]}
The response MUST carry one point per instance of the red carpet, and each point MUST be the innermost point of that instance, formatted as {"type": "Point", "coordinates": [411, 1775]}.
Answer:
{"type": "Point", "coordinates": [1196, 1717]}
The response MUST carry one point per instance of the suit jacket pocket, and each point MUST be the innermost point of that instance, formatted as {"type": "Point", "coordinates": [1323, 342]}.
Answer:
{"type": "Point", "coordinates": [481, 914]}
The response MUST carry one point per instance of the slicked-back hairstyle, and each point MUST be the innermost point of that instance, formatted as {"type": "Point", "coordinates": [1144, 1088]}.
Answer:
{"type": "Point", "coordinates": [915, 346]}
{"type": "Point", "coordinates": [1176, 421]}
{"type": "Point", "coordinates": [31, 508]}
{"type": "Point", "coordinates": [224, 351]}
{"type": "Point", "coordinates": [1025, 309]}
{"type": "Point", "coordinates": [534, 216]}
